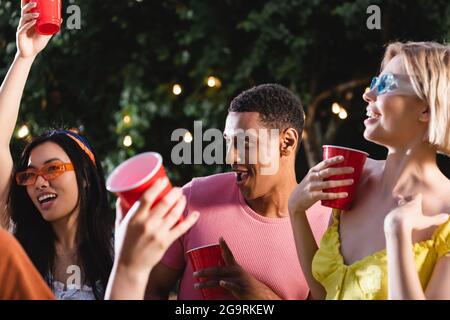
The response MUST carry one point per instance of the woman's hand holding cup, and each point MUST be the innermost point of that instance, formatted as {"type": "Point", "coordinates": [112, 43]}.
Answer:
{"type": "Point", "coordinates": [29, 42]}
{"type": "Point", "coordinates": [144, 235]}
{"type": "Point", "coordinates": [311, 188]}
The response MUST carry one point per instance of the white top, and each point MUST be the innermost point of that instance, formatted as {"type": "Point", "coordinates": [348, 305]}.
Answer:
{"type": "Point", "coordinates": [72, 292]}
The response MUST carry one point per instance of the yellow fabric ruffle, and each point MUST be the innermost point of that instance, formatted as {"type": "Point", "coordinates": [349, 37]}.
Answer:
{"type": "Point", "coordinates": [367, 278]}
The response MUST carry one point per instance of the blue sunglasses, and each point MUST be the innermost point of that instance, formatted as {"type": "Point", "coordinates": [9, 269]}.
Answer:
{"type": "Point", "coordinates": [384, 84]}
{"type": "Point", "coordinates": [390, 83]}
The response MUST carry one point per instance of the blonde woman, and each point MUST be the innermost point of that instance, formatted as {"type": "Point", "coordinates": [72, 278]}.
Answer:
{"type": "Point", "coordinates": [395, 241]}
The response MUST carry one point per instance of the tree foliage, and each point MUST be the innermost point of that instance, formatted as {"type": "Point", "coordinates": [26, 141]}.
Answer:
{"type": "Point", "coordinates": [129, 54]}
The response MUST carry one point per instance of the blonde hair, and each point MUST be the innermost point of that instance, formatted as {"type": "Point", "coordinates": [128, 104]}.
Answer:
{"type": "Point", "coordinates": [429, 62]}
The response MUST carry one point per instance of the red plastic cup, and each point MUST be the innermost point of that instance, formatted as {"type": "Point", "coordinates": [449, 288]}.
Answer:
{"type": "Point", "coordinates": [204, 257]}
{"type": "Point", "coordinates": [352, 158]}
{"type": "Point", "coordinates": [49, 20]}
{"type": "Point", "coordinates": [134, 176]}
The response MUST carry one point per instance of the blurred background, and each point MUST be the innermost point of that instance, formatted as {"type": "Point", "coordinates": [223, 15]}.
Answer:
{"type": "Point", "coordinates": [139, 69]}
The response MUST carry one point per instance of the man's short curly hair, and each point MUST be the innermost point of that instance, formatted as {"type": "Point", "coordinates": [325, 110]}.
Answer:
{"type": "Point", "coordinates": [277, 106]}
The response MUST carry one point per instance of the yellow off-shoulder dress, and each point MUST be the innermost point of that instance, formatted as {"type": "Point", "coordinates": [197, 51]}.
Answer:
{"type": "Point", "coordinates": [367, 278]}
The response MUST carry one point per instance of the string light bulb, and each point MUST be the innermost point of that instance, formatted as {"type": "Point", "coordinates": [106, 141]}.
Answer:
{"type": "Point", "coordinates": [343, 114]}
{"type": "Point", "coordinates": [127, 119]}
{"type": "Point", "coordinates": [127, 141]}
{"type": "Point", "coordinates": [176, 89]}
{"type": "Point", "coordinates": [23, 132]}
{"type": "Point", "coordinates": [188, 137]}
{"type": "Point", "coordinates": [213, 82]}
{"type": "Point", "coordinates": [335, 108]}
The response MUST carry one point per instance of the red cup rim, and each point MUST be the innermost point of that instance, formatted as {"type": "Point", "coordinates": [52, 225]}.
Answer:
{"type": "Point", "coordinates": [339, 147]}
{"type": "Point", "coordinates": [137, 184]}
{"type": "Point", "coordinates": [208, 245]}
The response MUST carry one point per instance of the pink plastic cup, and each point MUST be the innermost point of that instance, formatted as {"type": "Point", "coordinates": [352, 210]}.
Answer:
{"type": "Point", "coordinates": [352, 158]}
{"type": "Point", "coordinates": [134, 176]}
{"type": "Point", "coordinates": [204, 257]}
{"type": "Point", "coordinates": [49, 20]}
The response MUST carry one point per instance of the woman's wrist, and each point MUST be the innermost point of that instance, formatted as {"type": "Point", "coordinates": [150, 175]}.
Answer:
{"type": "Point", "coordinates": [21, 57]}
{"type": "Point", "coordinates": [126, 283]}
{"type": "Point", "coordinates": [133, 273]}
{"type": "Point", "coordinates": [297, 212]}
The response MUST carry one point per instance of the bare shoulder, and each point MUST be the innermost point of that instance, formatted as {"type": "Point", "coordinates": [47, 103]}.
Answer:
{"type": "Point", "coordinates": [446, 196]}
{"type": "Point", "coordinates": [438, 193]}
{"type": "Point", "coordinates": [372, 168]}
{"type": "Point", "coordinates": [372, 164]}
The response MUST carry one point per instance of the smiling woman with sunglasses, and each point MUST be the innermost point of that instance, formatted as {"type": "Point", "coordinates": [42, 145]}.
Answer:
{"type": "Point", "coordinates": [395, 241]}
{"type": "Point", "coordinates": [54, 200]}
{"type": "Point", "coordinates": [59, 211]}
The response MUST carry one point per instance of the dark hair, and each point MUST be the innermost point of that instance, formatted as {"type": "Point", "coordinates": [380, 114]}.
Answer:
{"type": "Point", "coordinates": [277, 106]}
{"type": "Point", "coordinates": [95, 222]}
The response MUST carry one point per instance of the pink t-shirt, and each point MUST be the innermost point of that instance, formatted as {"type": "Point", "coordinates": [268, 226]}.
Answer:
{"type": "Point", "coordinates": [264, 247]}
